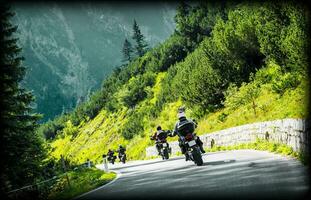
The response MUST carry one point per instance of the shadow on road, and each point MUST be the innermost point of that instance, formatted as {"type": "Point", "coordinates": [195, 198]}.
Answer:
{"type": "Point", "coordinates": [219, 162]}
{"type": "Point", "coordinates": [149, 163]}
{"type": "Point", "coordinates": [172, 159]}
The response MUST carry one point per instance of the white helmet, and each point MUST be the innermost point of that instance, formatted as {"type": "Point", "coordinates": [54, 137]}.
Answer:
{"type": "Point", "coordinates": [181, 114]}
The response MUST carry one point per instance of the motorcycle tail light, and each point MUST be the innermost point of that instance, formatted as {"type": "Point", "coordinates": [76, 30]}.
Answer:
{"type": "Point", "coordinates": [188, 137]}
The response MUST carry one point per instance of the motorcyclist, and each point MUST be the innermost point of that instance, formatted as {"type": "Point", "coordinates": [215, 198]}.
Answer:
{"type": "Point", "coordinates": [159, 136]}
{"type": "Point", "coordinates": [182, 119]}
{"type": "Point", "coordinates": [121, 151]}
{"type": "Point", "coordinates": [110, 154]}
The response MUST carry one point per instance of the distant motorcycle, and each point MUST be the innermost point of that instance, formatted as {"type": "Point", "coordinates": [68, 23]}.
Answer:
{"type": "Point", "coordinates": [122, 157]}
{"type": "Point", "coordinates": [165, 150]}
{"type": "Point", "coordinates": [111, 158]}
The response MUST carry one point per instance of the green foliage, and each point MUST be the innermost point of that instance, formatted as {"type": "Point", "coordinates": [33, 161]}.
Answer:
{"type": "Point", "coordinates": [171, 51]}
{"type": "Point", "coordinates": [127, 51]}
{"type": "Point", "coordinates": [69, 129]}
{"type": "Point", "coordinates": [285, 82]}
{"type": "Point", "coordinates": [197, 83]}
{"type": "Point", "coordinates": [237, 97]}
{"type": "Point", "coordinates": [133, 126]}
{"type": "Point", "coordinates": [229, 55]}
{"type": "Point", "coordinates": [136, 89]}
{"type": "Point", "coordinates": [81, 181]}
{"type": "Point", "coordinates": [194, 23]}
{"type": "Point", "coordinates": [269, 106]}
{"type": "Point", "coordinates": [22, 149]}
{"type": "Point", "coordinates": [222, 117]}
{"type": "Point", "coordinates": [141, 45]}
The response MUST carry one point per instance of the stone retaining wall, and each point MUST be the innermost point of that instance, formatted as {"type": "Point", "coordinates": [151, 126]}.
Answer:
{"type": "Point", "coordinates": [292, 132]}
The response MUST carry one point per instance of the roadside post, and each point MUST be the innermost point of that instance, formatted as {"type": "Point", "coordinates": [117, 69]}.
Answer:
{"type": "Point", "coordinates": [105, 163]}
{"type": "Point", "coordinates": [88, 163]}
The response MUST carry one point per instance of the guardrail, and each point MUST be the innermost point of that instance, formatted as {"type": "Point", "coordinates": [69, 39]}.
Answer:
{"type": "Point", "coordinates": [38, 189]}
{"type": "Point", "coordinates": [42, 188]}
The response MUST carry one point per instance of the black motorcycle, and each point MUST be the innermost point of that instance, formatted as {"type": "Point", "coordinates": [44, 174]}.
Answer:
{"type": "Point", "coordinates": [190, 142]}
{"type": "Point", "coordinates": [111, 158]}
{"type": "Point", "coordinates": [162, 145]}
{"type": "Point", "coordinates": [122, 157]}
{"type": "Point", "coordinates": [192, 149]}
{"type": "Point", "coordinates": [165, 150]}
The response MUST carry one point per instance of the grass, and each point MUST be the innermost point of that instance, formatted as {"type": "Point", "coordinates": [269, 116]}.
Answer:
{"type": "Point", "coordinates": [81, 181]}
{"type": "Point", "coordinates": [270, 106]}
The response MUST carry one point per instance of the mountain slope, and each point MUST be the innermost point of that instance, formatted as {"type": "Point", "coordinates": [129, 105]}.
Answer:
{"type": "Point", "coordinates": [69, 49]}
{"type": "Point", "coordinates": [242, 64]}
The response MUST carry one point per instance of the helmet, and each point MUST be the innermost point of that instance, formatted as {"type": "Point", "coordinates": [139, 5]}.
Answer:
{"type": "Point", "coordinates": [181, 112]}
{"type": "Point", "coordinates": [182, 109]}
{"type": "Point", "coordinates": [159, 128]}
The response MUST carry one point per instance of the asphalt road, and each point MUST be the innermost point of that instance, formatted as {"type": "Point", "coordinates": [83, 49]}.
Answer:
{"type": "Point", "coordinates": [240, 174]}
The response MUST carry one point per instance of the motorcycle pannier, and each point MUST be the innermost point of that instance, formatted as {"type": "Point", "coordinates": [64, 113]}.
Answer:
{"type": "Point", "coordinates": [185, 127]}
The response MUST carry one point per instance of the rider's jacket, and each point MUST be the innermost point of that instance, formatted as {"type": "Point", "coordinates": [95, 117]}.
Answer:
{"type": "Point", "coordinates": [160, 135]}
{"type": "Point", "coordinates": [121, 150]}
{"type": "Point", "coordinates": [183, 124]}
{"type": "Point", "coordinates": [110, 153]}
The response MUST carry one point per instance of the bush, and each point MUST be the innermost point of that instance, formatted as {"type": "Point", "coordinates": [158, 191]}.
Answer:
{"type": "Point", "coordinates": [133, 126]}
{"type": "Point", "coordinates": [135, 90]}
{"type": "Point", "coordinates": [237, 97]}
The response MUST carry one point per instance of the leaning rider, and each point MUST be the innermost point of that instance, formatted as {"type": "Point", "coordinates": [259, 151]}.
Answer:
{"type": "Point", "coordinates": [121, 151]}
{"type": "Point", "coordinates": [183, 119]}
{"type": "Point", "coordinates": [160, 137]}
{"type": "Point", "coordinates": [110, 153]}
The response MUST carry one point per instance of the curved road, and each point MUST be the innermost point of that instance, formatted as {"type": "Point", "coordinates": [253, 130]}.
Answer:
{"type": "Point", "coordinates": [247, 174]}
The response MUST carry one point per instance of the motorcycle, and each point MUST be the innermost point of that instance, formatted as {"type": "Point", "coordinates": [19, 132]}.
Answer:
{"type": "Point", "coordinates": [112, 159]}
{"type": "Point", "coordinates": [122, 157]}
{"type": "Point", "coordinates": [165, 150]}
{"type": "Point", "coordinates": [192, 149]}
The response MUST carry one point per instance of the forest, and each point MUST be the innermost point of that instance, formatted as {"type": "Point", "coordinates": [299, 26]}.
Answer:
{"type": "Point", "coordinates": [228, 63]}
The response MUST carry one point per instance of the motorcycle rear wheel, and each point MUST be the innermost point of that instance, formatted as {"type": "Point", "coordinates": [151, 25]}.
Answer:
{"type": "Point", "coordinates": [123, 159]}
{"type": "Point", "coordinates": [197, 157]}
{"type": "Point", "coordinates": [165, 152]}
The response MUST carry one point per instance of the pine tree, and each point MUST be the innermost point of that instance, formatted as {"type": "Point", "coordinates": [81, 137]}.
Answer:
{"type": "Point", "coordinates": [127, 51]}
{"type": "Point", "coordinates": [21, 148]}
{"type": "Point", "coordinates": [181, 17]}
{"type": "Point", "coordinates": [141, 45]}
